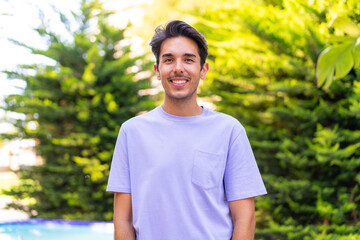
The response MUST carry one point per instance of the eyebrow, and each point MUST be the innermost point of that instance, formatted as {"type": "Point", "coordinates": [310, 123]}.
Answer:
{"type": "Point", "coordinates": [190, 55]}
{"type": "Point", "coordinates": [186, 55]}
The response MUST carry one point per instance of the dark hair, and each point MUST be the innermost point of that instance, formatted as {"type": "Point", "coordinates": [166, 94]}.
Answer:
{"type": "Point", "coordinates": [178, 28]}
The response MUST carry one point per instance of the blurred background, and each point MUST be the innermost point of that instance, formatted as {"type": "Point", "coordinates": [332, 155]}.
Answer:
{"type": "Point", "coordinates": [73, 71]}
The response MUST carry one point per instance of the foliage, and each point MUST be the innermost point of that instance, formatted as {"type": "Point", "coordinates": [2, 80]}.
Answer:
{"type": "Point", "coordinates": [306, 140]}
{"type": "Point", "coordinates": [342, 55]}
{"type": "Point", "coordinates": [78, 104]}
{"type": "Point", "coordinates": [310, 232]}
{"type": "Point", "coordinates": [160, 12]}
{"type": "Point", "coordinates": [263, 57]}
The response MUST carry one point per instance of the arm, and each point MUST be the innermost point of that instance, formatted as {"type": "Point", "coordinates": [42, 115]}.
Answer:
{"type": "Point", "coordinates": [243, 217]}
{"type": "Point", "coordinates": [123, 225]}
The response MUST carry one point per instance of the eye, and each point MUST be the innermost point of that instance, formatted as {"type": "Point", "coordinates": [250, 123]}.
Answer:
{"type": "Point", "coordinates": [189, 60]}
{"type": "Point", "coordinates": [167, 60]}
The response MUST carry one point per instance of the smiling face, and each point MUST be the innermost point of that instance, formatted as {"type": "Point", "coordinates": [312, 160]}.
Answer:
{"type": "Point", "coordinates": [179, 69]}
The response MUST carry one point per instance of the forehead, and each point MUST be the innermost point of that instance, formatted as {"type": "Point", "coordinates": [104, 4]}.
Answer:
{"type": "Point", "coordinates": [179, 46]}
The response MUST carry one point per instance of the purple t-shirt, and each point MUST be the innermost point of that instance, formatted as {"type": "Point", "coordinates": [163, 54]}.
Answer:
{"type": "Point", "coordinates": [181, 173]}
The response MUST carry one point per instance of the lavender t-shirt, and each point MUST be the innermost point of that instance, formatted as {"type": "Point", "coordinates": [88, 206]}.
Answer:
{"type": "Point", "coordinates": [181, 173]}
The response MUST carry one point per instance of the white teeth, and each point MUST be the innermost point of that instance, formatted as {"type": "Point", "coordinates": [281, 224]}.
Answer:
{"type": "Point", "coordinates": [179, 81]}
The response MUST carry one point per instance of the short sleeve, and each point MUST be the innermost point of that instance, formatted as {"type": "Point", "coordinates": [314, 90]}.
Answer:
{"type": "Point", "coordinates": [242, 176]}
{"type": "Point", "coordinates": [119, 177]}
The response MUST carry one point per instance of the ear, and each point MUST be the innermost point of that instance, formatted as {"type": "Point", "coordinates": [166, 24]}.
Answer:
{"type": "Point", "coordinates": [157, 72]}
{"type": "Point", "coordinates": [204, 70]}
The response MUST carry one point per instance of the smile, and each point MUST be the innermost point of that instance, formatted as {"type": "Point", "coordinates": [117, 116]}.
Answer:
{"type": "Point", "coordinates": [179, 81]}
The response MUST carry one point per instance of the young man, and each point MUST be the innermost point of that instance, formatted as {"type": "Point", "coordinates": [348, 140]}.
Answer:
{"type": "Point", "coordinates": [182, 171]}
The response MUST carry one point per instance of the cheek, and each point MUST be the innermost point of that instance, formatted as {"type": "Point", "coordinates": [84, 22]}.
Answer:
{"type": "Point", "coordinates": [196, 73]}
{"type": "Point", "coordinates": [192, 70]}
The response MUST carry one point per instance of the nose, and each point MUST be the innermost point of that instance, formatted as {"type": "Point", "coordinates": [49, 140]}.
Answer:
{"type": "Point", "coordinates": [179, 67]}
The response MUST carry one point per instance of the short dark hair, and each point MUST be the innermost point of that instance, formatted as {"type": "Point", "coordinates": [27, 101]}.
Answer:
{"type": "Point", "coordinates": [177, 28]}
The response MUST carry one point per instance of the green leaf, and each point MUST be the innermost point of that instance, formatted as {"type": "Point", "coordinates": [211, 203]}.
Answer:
{"type": "Point", "coordinates": [325, 68]}
{"type": "Point", "coordinates": [346, 26]}
{"type": "Point", "coordinates": [344, 64]}
{"type": "Point", "coordinates": [337, 56]}
{"type": "Point", "coordinates": [324, 74]}
{"type": "Point", "coordinates": [357, 54]}
{"type": "Point", "coordinates": [334, 39]}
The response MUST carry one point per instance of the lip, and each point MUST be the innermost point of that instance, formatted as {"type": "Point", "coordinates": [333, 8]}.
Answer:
{"type": "Point", "coordinates": [179, 81]}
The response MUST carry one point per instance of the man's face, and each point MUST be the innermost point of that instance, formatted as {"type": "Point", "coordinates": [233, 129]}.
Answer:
{"type": "Point", "coordinates": [179, 68]}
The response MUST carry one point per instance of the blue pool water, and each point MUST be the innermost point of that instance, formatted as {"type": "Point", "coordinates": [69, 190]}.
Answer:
{"type": "Point", "coordinates": [36, 229]}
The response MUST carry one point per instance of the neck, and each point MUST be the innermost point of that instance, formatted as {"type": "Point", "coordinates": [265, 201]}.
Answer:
{"type": "Point", "coordinates": [182, 108]}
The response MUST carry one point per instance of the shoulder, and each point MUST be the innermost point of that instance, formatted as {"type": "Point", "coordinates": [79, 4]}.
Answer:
{"type": "Point", "coordinates": [224, 119]}
{"type": "Point", "coordinates": [143, 118]}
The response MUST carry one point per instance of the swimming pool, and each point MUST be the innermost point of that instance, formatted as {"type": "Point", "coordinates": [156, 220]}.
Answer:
{"type": "Point", "coordinates": [41, 229]}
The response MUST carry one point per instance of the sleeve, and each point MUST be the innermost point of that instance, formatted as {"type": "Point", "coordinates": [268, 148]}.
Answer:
{"type": "Point", "coordinates": [242, 176]}
{"type": "Point", "coordinates": [119, 177]}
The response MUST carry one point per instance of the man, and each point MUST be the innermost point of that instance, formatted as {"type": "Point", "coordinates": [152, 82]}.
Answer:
{"type": "Point", "coordinates": [182, 171]}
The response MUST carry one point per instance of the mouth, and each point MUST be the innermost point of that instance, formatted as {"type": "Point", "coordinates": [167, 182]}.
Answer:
{"type": "Point", "coordinates": [179, 81]}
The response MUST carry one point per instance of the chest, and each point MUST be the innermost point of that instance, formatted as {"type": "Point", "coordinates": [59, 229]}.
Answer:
{"type": "Point", "coordinates": [172, 148]}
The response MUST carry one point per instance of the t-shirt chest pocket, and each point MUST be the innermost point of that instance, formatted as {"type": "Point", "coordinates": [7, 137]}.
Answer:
{"type": "Point", "coordinates": [208, 169]}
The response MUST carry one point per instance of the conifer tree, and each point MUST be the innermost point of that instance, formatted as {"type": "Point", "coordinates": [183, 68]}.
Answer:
{"type": "Point", "coordinates": [306, 140]}
{"type": "Point", "coordinates": [263, 57]}
{"type": "Point", "coordinates": [78, 105]}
